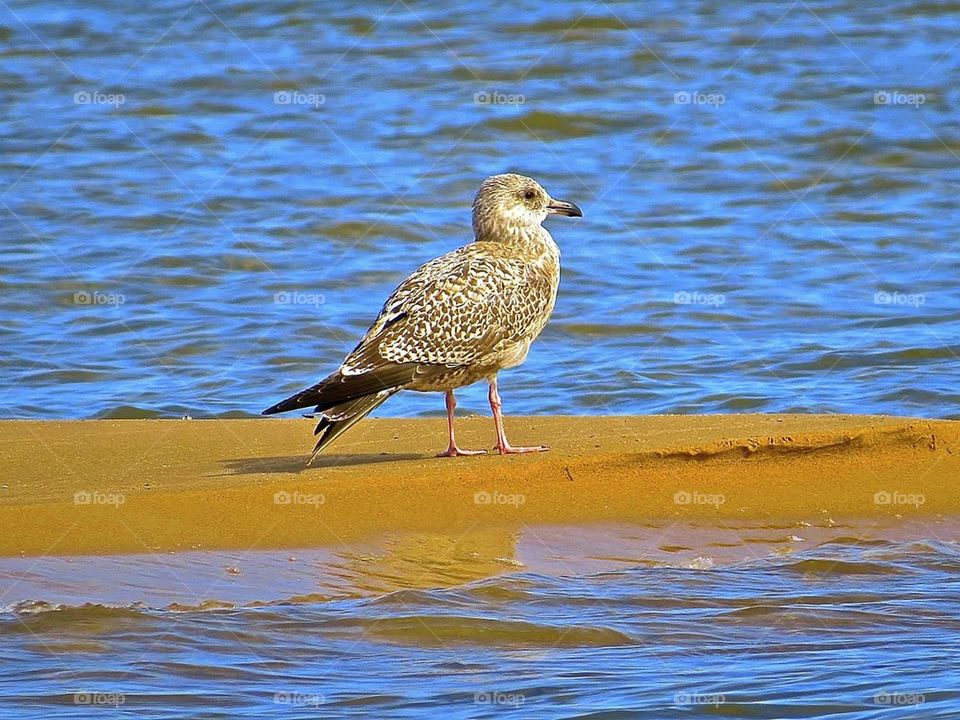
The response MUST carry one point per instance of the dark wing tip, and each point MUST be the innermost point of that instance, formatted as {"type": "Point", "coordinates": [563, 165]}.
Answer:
{"type": "Point", "coordinates": [278, 408]}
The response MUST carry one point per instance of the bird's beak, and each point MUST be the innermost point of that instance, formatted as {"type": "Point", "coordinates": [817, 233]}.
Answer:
{"type": "Point", "coordinates": [559, 207]}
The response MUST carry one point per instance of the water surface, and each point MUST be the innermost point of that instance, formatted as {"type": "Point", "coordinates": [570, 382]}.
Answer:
{"type": "Point", "coordinates": [203, 204]}
{"type": "Point", "coordinates": [846, 620]}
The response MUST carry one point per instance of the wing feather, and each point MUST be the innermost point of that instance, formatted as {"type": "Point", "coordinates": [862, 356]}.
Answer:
{"type": "Point", "coordinates": [460, 309]}
{"type": "Point", "coordinates": [454, 311]}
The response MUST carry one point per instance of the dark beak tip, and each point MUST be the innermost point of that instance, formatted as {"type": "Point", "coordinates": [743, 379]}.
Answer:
{"type": "Point", "coordinates": [561, 207]}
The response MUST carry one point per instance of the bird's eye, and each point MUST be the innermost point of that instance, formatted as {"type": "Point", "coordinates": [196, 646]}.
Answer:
{"type": "Point", "coordinates": [528, 194]}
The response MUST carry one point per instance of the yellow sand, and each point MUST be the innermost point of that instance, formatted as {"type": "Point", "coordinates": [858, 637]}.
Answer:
{"type": "Point", "coordinates": [156, 485]}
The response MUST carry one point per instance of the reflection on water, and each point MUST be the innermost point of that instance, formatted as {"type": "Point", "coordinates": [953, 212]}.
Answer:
{"type": "Point", "coordinates": [203, 203]}
{"type": "Point", "coordinates": [769, 193]}
{"type": "Point", "coordinates": [742, 620]}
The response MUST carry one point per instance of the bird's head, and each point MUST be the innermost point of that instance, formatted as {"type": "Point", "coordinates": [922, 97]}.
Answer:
{"type": "Point", "coordinates": [509, 204]}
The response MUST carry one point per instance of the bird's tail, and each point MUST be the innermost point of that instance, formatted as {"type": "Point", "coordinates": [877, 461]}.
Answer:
{"type": "Point", "coordinates": [337, 389]}
{"type": "Point", "coordinates": [336, 420]}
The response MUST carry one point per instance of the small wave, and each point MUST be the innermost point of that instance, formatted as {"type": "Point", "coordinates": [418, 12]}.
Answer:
{"type": "Point", "coordinates": [39, 617]}
{"type": "Point", "coordinates": [202, 606]}
{"type": "Point", "coordinates": [700, 562]}
{"type": "Point", "coordinates": [443, 630]}
{"type": "Point", "coordinates": [567, 25]}
{"type": "Point", "coordinates": [554, 124]}
{"type": "Point", "coordinates": [128, 412]}
{"type": "Point", "coordinates": [829, 566]}
{"type": "Point", "coordinates": [858, 542]}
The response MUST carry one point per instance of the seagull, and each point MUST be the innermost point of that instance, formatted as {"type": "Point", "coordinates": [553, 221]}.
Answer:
{"type": "Point", "coordinates": [456, 320]}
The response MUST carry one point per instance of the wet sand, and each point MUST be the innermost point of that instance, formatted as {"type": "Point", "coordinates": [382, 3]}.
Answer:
{"type": "Point", "coordinates": [121, 486]}
{"type": "Point", "coordinates": [374, 568]}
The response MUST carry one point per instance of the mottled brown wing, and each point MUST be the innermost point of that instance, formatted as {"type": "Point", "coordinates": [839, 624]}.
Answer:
{"type": "Point", "coordinates": [453, 311]}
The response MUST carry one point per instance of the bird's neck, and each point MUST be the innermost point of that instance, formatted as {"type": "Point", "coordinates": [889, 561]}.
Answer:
{"type": "Point", "coordinates": [525, 239]}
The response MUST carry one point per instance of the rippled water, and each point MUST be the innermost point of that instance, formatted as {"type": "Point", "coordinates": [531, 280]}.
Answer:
{"type": "Point", "coordinates": [734, 621]}
{"type": "Point", "coordinates": [202, 204]}
{"type": "Point", "coordinates": [764, 230]}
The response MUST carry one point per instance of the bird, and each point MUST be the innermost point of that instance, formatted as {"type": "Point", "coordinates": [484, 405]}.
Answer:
{"type": "Point", "coordinates": [456, 320]}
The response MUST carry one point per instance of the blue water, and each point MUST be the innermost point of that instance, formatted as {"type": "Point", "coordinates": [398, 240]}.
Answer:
{"type": "Point", "coordinates": [848, 629]}
{"type": "Point", "coordinates": [203, 204]}
{"type": "Point", "coordinates": [769, 191]}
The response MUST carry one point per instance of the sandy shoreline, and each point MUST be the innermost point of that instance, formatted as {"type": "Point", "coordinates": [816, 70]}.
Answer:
{"type": "Point", "coordinates": [117, 486]}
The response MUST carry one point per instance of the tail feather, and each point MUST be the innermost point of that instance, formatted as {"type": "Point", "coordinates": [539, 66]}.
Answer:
{"type": "Point", "coordinates": [339, 388]}
{"type": "Point", "coordinates": [338, 419]}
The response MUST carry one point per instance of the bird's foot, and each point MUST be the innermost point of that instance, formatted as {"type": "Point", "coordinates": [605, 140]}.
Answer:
{"type": "Point", "coordinates": [454, 451]}
{"type": "Point", "coordinates": [511, 450]}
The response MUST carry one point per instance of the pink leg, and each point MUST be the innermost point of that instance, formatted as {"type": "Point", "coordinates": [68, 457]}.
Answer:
{"type": "Point", "coordinates": [503, 446]}
{"type": "Point", "coordinates": [452, 450]}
